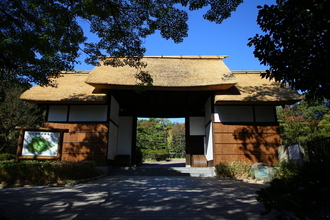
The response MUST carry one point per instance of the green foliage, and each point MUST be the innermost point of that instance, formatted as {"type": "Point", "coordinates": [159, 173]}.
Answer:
{"type": "Point", "coordinates": [45, 33]}
{"type": "Point", "coordinates": [7, 157]}
{"type": "Point", "coordinates": [158, 138]}
{"type": "Point", "coordinates": [157, 155]}
{"type": "Point", "coordinates": [45, 172]}
{"type": "Point", "coordinates": [235, 169]}
{"type": "Point", "coordinates": [223, 170]}
{"type": "Point", "coordinates": [49, 37]}
{"type": "Point", "coordinates": [295, 44]}
{"type": "Point", "coordinates": [305, 194]}
{"type": "Point", "coordinates": [304, 121]}
{"type": "Point", "coordinates": [176, 142]}
{"type": "Point", "coordinates": [286, 169]}
{"type": "Point", "coordinates": [15, 112]}
{"type": "Point", "coordinates": [324, 125]}
{"type": "Point", "coordinates": [151, 134]}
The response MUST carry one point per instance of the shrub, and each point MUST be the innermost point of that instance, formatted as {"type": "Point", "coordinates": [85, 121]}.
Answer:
{"type": "Point", "coordinates": [7, 156]}
{"type": "Point", "coordinates": [286, 169]}
{"type": "Point", "coordinates": [305, 194]}
{"type": "Point", "coordinates": [224, 170]}
{"type": "Point", "coordinates": [234, 169]}
{"type": "Point", "coordinates": [157, 155]}
{"type": "Point", "coordinates": [45, 172]}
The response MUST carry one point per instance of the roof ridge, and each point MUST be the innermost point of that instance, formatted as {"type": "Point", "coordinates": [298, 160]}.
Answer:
{"type": "Point", "coordinates": [248, 71]}
{"type": "Point", "coordinates": [76, 72]}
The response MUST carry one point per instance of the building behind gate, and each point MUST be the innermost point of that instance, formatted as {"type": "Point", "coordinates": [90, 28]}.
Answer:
{"type": "Point", "coordinates": [228, 114]}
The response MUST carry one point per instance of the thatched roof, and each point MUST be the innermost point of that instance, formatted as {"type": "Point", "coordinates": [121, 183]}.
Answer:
{"type": "Point", "coordinates": [71, 88]}
{"type": "Point", "coordinates": [251, 88]}
{"type": "Point", "coordinates": [168, 73]}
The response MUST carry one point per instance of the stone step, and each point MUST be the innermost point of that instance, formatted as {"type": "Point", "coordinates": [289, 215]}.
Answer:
{"type": "Point", "coordinates": [162, 171]}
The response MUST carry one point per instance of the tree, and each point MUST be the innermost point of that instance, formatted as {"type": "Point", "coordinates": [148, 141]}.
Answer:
{"type": "Point", "coordinates": [150, 134]}
{"type": "Point", "coordinates": [178, 144]}
{"type": "Point", "coordinates": [40, 38]}
{"type": "Point", "coordinates": [15, 112]}
{"type": "Point", "coordinates": [324, 125]}
{"type": "Point", "coordinates": [304, 121]}
{"type": "Point", "coordinates": [158, 136]}
{"type": "Point", "coordinates": [296, 44]}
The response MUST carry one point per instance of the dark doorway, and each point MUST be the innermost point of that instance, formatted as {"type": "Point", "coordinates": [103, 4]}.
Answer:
{"type": "Point", "coordinates": [165, 104]}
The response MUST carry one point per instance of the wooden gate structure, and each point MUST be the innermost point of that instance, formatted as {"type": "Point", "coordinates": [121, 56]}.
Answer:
{"type": "Point", "coordinates": [229, 114]}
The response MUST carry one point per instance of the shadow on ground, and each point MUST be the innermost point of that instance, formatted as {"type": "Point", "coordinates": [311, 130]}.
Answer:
{"type": "Point", "coordinates": [136, 198]}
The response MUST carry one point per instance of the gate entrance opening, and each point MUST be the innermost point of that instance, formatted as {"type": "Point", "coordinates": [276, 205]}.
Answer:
{"type": "Point", "coordinates": [189, 105]}
{"type": "Point", "coordinates": [161, 141]}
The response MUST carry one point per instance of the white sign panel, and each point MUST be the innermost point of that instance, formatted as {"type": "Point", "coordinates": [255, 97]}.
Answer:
{"type": "Point", "coordinates": [39, 143]}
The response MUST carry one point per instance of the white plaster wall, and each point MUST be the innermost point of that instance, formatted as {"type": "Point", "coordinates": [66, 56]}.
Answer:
{"type": "Point", "coordinates": [265, 113]}
{"type": "Point", "coordinates": [88, 113]}
{"type": "Point", "coordinates": [112, 144]}
{"type": "Point", "coordinates": [125, 131]}
{"type": "Point", "coordinates": [196, 126]}
{"type": "Point", "coordinates": [208, 146]}
{"type": "Point", "coordinates": [209, 143]}
{"type": "Point", "coordinates": [57, 113]}
{"type": "Point", "coordinates": [233, 114]}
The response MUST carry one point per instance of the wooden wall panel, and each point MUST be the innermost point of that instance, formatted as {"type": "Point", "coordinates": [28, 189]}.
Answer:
{"type": "Point", "coordinates": [84, 147]}
{"type": "Point", "coordinates": [251, 143]}
{"type": "Point", "coordinates": [84, 141]}
{"type": "Point", "coordinates": [220, 127]}
{"type": "Point", "coordinates": [243, 149]}
{"type": "Point", "coordinates": [86, 136]}
{"type": "Point", "coordinates": [246, 138]}
{"type": "Point", "coordinates": [98, 158]}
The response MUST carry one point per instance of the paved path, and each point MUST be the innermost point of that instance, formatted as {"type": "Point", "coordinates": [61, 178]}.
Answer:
{"type": "Point", "coordinates": [168, 163]}
{"type": "Point", "coordinates": [135, 198]}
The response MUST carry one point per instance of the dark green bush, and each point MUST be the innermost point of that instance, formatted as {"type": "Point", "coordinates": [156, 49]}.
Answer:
{"type": "Point", "coordinates": [286, 169]}
{"type": "Point", "coordinates": [305, 194]}
{"type": "Point", "coordinates": [157, 155]}
{"type": "Point", "coordinates": [223, 170]}
{"type": "Point", "coordinates": [45, 172]}
{"type": "Point", "coordinates": [7, 156]}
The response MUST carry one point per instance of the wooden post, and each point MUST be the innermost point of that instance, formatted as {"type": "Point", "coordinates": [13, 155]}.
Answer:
{"type": "Point", "coordinates": [188, 153]}
{"type": "Point", "coordinates": [19, 145]}
{"type": "Point", "coordinates": [60, 144]}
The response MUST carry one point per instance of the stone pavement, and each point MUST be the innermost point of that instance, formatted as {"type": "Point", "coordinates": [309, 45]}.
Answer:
{"type": "Point", "coordinates": [115, 197]}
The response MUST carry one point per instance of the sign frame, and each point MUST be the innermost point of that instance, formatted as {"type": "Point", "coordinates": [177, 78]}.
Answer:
{"type": "Point", "coordinates": [22, 147]}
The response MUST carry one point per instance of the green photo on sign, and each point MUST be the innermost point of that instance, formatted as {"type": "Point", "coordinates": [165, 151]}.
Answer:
{"type": "Point", "coordinates": [38, 143]}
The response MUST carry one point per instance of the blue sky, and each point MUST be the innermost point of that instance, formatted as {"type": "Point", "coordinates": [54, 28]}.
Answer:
{"type": "Point", "coordinates": [207, 38]}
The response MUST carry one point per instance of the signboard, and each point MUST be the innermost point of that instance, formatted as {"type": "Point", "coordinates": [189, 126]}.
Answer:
{"type": "Point", "coordinates": [37, 143]}
{"type": "Point", "coordinates": [40, 143]}
{"type": "Point", "coordinates": [263, 171]}
{"type": "Point", "coordinates": [294, 152]}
